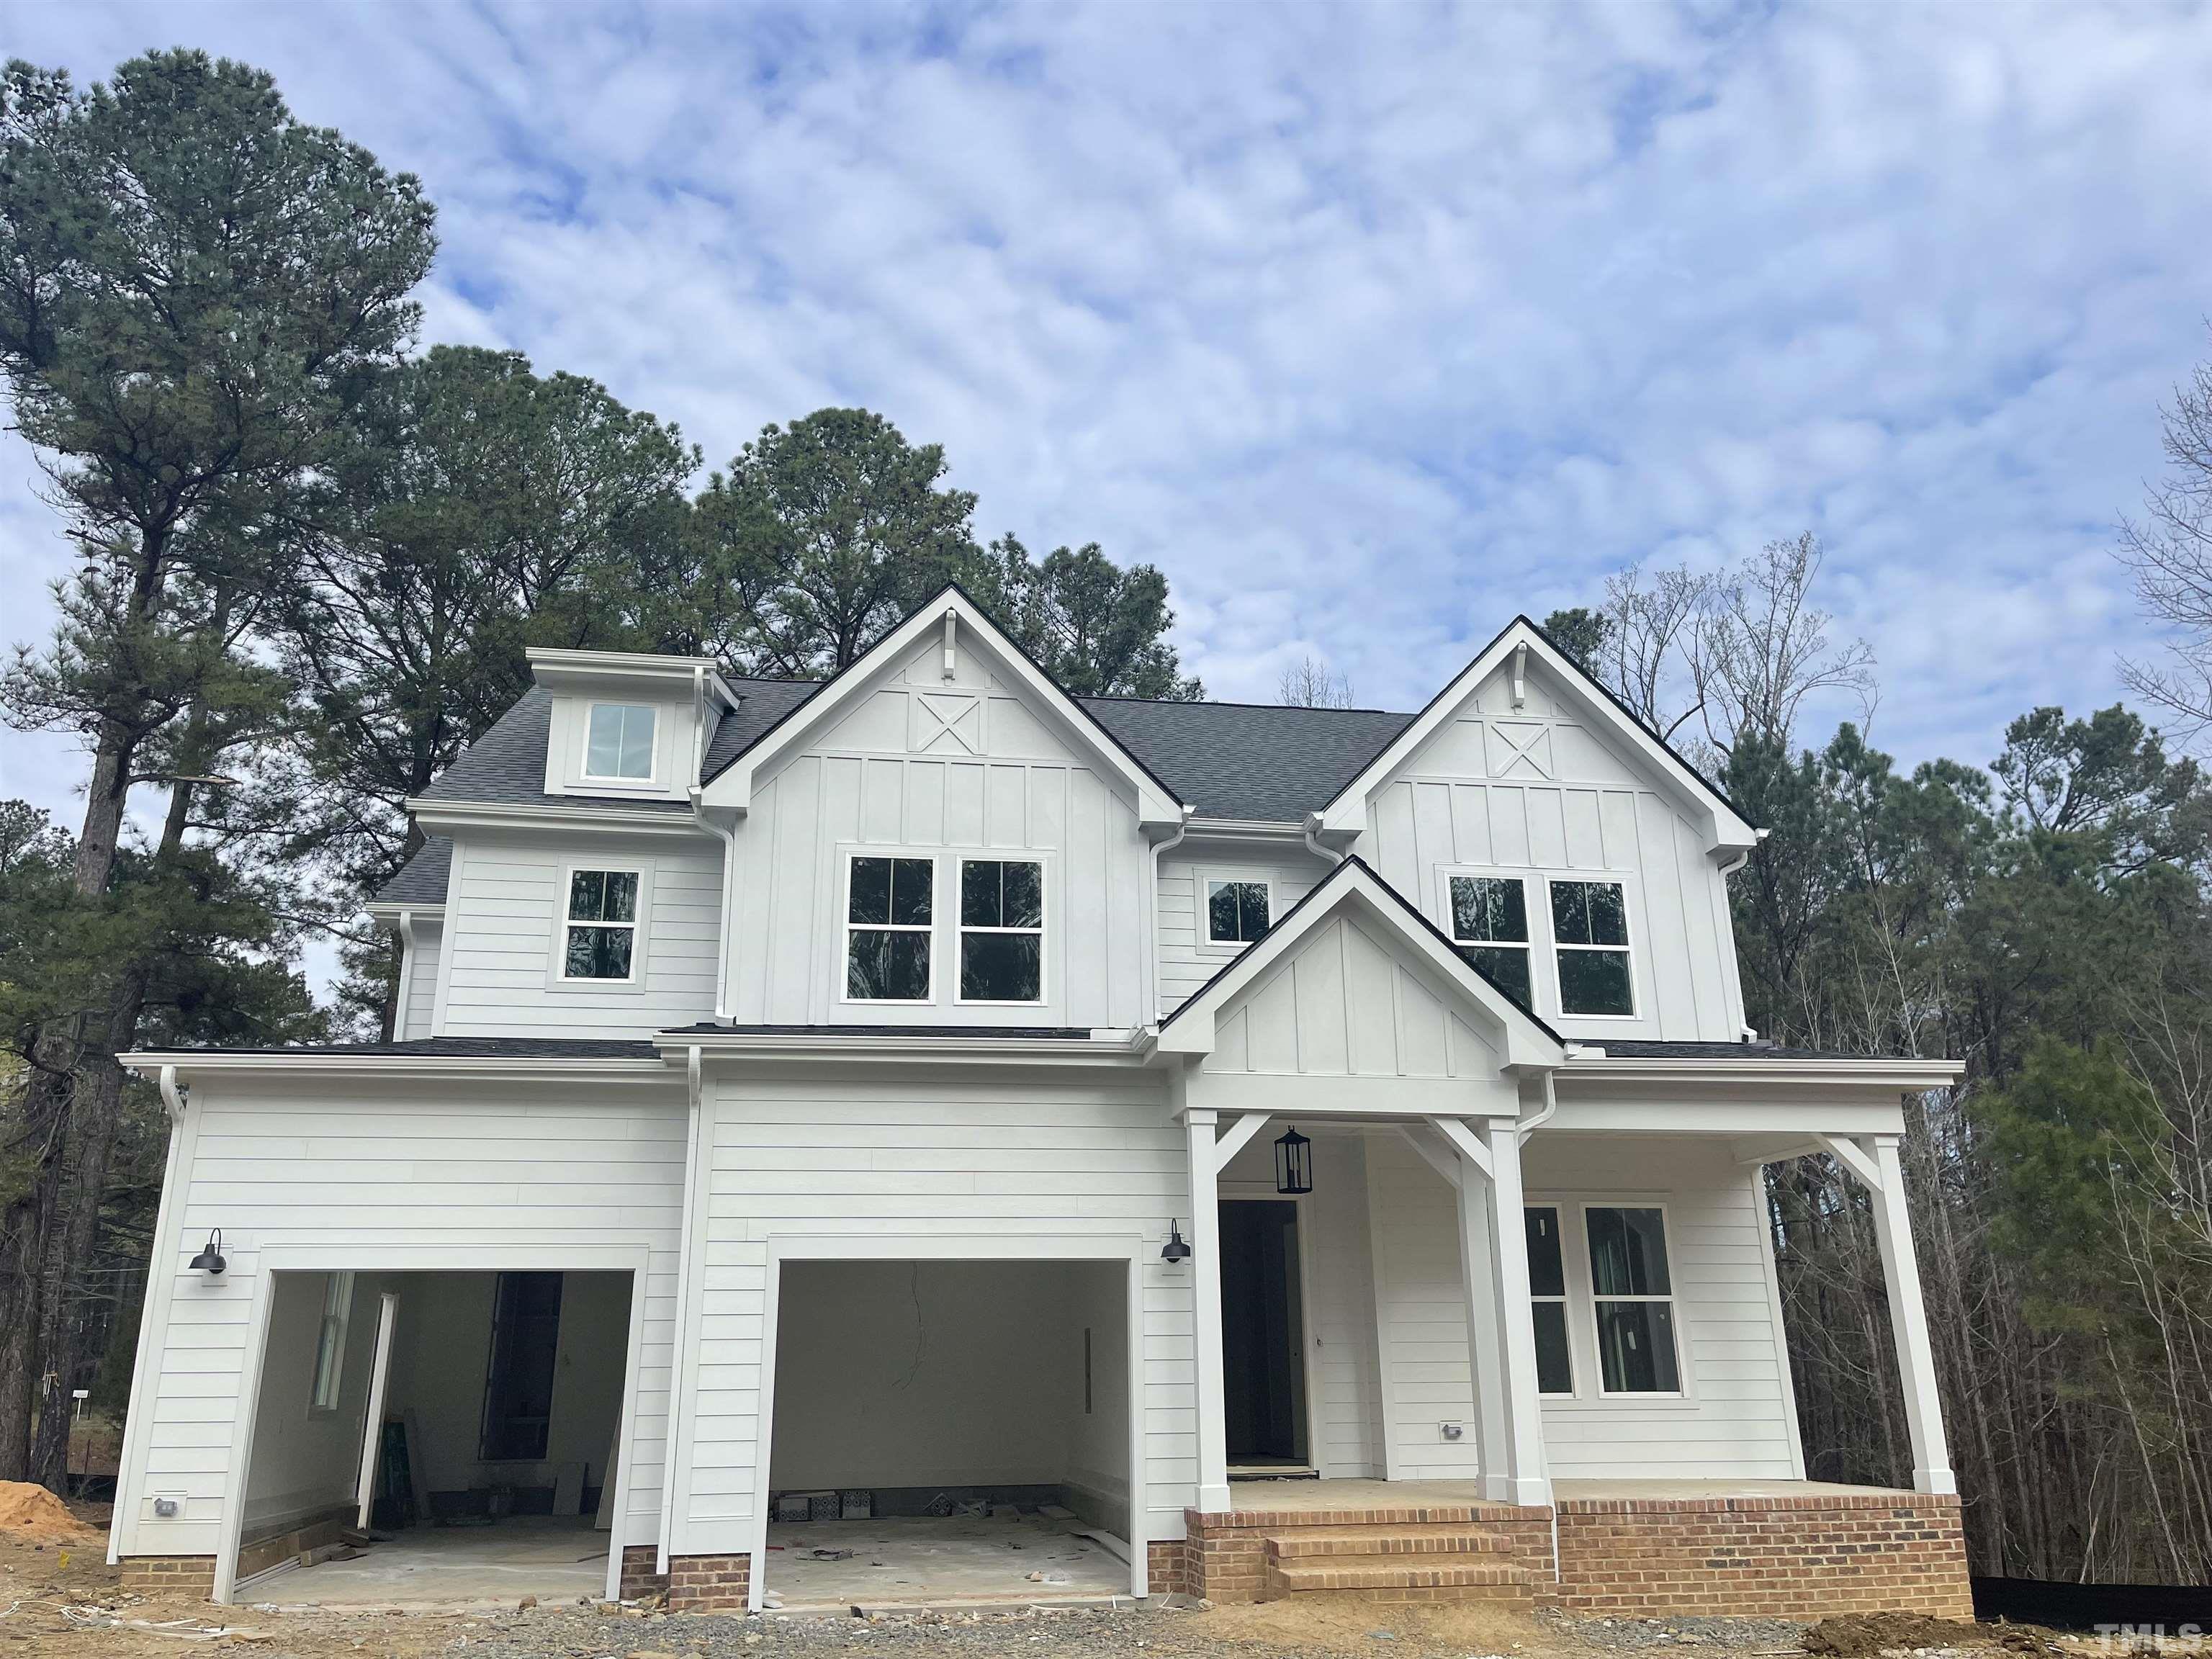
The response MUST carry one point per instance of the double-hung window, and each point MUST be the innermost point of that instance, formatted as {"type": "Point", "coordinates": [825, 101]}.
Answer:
{"type": "Point", "coordinates": [1547, 1295]}
{"type": "Point", "coordinates": [330, 1342]}
{"type": "Point", "coordinates": [1490, 925]}
{"type": "Point", "coordinates": [601, 941]}
{"type": "Point", "coordinates": [1001, 931]}
{"type": "Point", "coordinates": [889, 909]}
{"type": "Point", "coordinates": [1634, 1297]}
{"type": "Point", "coordinates": [618, 742]}
{"type": "Point", "coordinates": [1236, 912]}
{"type": "Point", "coordinates": [1590, 932]}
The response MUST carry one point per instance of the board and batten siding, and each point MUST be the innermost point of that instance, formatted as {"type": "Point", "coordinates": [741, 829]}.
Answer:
{"type": "Point", "coordinates": [925, 767]}
{"type": "Point", "coordinates": [1187, 957]}
{"type": "Point", "coordinates": [418, 1016]}
{"type": "Point", "coordinates": [499, 965]}
{"type": "Point", "coordinates": [934, 1155]}
{"type": "Point", "coordinates": [349, 1165]}
{"type": "Point", "coordinates": [1537, 792]}
{"type": "Point", "coordinates": [1733, 1420]}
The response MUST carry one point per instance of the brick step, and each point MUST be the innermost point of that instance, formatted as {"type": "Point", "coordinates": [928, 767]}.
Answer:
{"type": "Point", "coordinates": [1484, 1580]}
{"type": "Point", "coordinates": [1420, 1539]}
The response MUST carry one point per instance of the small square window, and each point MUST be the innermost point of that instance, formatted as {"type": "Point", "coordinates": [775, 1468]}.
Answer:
{"type": "Point", "coordinates": [1236, 912]}
{"type": "Point", "coordinates": [602, 925]}
{"type": "Point", "coordinates": [619, 741]}
{"type": "Point", "coordinates": [1590, 931]}
{"type": "Point", "coordinates": [889, 908]}
{"type": "Point", "coordinates": [1001, 931]}
{"type": "Point", "coordinates": [1490, 925]}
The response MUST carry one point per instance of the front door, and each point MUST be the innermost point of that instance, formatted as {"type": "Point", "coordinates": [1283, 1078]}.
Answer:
{"type": "Point", "coordinates": [1263, 1335]}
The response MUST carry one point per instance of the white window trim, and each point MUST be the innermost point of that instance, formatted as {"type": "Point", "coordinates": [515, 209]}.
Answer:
{"type": "Point", "coordinates": [1544, 948]}
{"type": "Point", "coordinates": [1627, 948]}
{"type": "Point", "coordinates": [1673, 1299]}
{"type": "Point", "coordinates": [1202, 877]}
{"type": "Point", "coordinates": [1565, 1299]}
{"type": "Point", "coordinates": [336, 1287]}
{"type": "Point", "coordinates": [1042, 930]}
{"type": "Point", "coordinates": [652, 779]}
{"type": "Point", "coordinates": [847, 926]}
{"type": "Point", "coordinates": [1526, 946]}
{"type": "Point", "coordinates": [557, 971]}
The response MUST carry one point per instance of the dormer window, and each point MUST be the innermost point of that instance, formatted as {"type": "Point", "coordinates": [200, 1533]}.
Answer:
{"type": "Point", "coordinates": [618, 743]}
{"type": "Point", "coordinates": [1236, 912]}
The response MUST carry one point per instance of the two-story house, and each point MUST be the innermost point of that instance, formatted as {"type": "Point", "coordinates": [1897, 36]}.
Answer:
{"type": "Point", "coordinates": [1302, 1150]}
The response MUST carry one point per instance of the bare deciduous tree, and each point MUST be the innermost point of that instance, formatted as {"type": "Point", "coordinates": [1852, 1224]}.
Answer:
{"type": "Point", "coordinates": [2169, 551]}
{"type": "Point", "coordinates": [1309, 683]}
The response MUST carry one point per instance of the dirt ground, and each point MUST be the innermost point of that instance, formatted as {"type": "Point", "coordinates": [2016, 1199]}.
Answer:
{"type": "Point", "coordinates": [63, 1600]}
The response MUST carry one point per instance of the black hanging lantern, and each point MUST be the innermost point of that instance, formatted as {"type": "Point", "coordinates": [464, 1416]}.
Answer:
{"type": "Point", "coordinates": [1293, 1164]}
{"type": "Point", "coordinates": [209, 1261]}
{"type": "Point", "coordinates": [1176, 1249]}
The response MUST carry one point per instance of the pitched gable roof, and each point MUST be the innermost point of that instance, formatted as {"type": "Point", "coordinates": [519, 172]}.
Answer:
{"type": "Point", "coordinates": [730, 786]}
{"type": "Point", "coordinates": [1726, 828]}
{"type": "Point", "coordinates": [1527, 1039]}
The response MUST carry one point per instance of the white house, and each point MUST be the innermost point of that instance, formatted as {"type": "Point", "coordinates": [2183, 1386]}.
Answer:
{"type": "Point", "coordinates": [1318, 1149]}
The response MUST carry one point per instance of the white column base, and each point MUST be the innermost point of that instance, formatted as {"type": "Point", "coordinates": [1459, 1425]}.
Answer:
{"type": "Point", "coordinates": [1939, 1483]}
{"type": "Point", "coordinates": [1532, 1490]}
{"type": "Point", "coordinates": [1213, 1500]}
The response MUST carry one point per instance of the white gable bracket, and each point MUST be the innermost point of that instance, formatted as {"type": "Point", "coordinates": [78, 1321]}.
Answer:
{"type": "Point", "coordinates": [1236, 1138]}
{"type": "Point", "coordinates": [1856, 1158]}
{"type": "Point", "coordinates": [1469, 1145]}
{"type": "Point", "coordinates": [1431, 1154]}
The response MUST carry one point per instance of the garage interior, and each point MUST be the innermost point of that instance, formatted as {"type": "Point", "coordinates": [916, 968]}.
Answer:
{"type": "Point", "coordinates": [490, 1470]}
{"type": "Point", "coordinates": [949, 1433]}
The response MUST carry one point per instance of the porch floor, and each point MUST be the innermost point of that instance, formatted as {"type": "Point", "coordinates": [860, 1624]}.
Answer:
{"type": "Point", "coordinates": [441, 1567]}
{"type": "Point", "coordinates": [925, 1560]}
{"type": "Point", "coordinates": [1292, 1496]}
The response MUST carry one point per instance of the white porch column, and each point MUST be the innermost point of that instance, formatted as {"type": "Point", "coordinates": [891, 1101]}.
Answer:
{"type": "Point", "coordinates": [1478, 1277]}
{"type": "Point", "coordinates": [1205, 1309]}
{"type": "Point", "coordinates": [1529, 1479]}
{"type": "Point", "coordinates": [1908, 1321]}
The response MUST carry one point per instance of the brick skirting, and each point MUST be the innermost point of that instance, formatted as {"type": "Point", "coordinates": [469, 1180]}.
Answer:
{"type": "Point", "coordinates": [1800, 1556]}
{"type": "Point", "coordinates": [191, 1576]}
{"type": "Point", "coordinates": [706, 1584]}
{"type": "Point", "coordinates": [638, 1578]}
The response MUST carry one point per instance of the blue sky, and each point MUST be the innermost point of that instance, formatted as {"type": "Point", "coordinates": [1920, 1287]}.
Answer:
{"type": "Point", "coordinates": [1370, 325]}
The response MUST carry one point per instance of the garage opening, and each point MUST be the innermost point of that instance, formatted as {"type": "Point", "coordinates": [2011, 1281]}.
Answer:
{"type": "Point", "coordinates": [444, 1439]}
{"type": "Point", "coordinates": [948, 1433]}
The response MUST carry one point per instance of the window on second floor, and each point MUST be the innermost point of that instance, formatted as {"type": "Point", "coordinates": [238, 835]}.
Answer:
{"type": "Point", "coordinates": [1490, 925]}
{"type": "Point", "coordinates": [888, 914]}
{"type": "Point", "coordinates": [601, 941]}
{"type": "Point", "coordinates": [1236, 912]}
{"type": "Point", "coordinates": [1590, 932]}
{"type": "Point", "coordinates": [618, 743]}
{"type": "Point", "coordinates": [1001, 931]}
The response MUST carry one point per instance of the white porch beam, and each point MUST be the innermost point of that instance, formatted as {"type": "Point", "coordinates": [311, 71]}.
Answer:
{"type": "Point", "coordinates": [1470, 1146]}
{"type": "Point", "coordinates": [1199, 1122]}
{"type": "Point", "coordinates": [1239, 1136]}
{"type": "Point", "coordinates": [1443, 1160]}
{"type": "Point", "coordinates": [1854, 1157]}
{"type": "Point", "coordinates": [1908, 1321]}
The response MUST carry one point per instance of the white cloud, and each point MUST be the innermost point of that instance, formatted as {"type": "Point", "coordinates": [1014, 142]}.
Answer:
{"type": "Point", "coordinates": [1371, 325]}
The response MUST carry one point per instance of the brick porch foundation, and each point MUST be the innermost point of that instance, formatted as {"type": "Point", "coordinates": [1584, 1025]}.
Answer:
{"type": "Point", "coordinates": [638, 1577]}
{"type": "Point", "coordinates": [1795, 1556]}
{"type": "Point", "coordinates": [189, 1576]}
{"type": "Point", "coordinates": [706, 1583]}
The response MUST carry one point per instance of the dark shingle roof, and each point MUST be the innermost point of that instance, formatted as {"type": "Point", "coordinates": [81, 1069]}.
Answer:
{"type": "Point", "coordinates": [1233, 760]}
{"type": "Point", "coordinates": [423, 878]}
{"type": "Point", "coordinates": [1228, 760]}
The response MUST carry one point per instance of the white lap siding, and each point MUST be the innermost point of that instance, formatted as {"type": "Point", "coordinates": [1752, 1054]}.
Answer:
{"type": "Point", "coordinates": [923, 1154]}
{"type": "Point", "coordinates": [367, 1167]}
{"type": "Point", "coordinates": [1733, 1420]}
{"type": "Point", "coordinates": [1187, 958]}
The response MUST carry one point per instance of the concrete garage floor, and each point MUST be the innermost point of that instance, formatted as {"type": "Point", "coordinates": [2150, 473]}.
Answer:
{"type": "Point", "coordinates": [457, 1567]}
{"type": "Point", "coordinates": [926, 1561]}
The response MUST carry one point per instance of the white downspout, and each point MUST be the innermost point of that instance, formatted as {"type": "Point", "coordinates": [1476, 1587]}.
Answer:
{"type": "Point", "coordinates": [161, 1277]}
{"type": "Point", "coordinates": [406, 930]}
{"type": "Point", "coordinates": [1528, 1126]}
{"type": "Point", "coordinates": [1744, 1028]}
{"type": "Point", "coordinates": [685, 1249]}
{"type": "Point", "coordinates": [1312, 828]}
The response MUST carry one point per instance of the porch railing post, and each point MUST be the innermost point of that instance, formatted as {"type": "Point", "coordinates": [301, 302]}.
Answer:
{"type": "Point", "coordinates": [1206, 1310]}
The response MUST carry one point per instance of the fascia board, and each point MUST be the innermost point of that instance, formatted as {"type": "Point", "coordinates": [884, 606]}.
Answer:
{"type": "Point", "coordinates": [919, 1049]}
{"type": "Point", "coordinates": [388, 912]}
{"type": "Point", "coordinates": [582, 670]}
{"type": "Point", "coordinates": [447, 816]}
{"type": "Point", "coordinates": [1891, 1075]}
{"type": "Point", "coordinates": [1726, 830]}
{"type": "Point", "coordinates": [1253, 829]}
{"type": "Point", "coordinates": [733, 788]}
{"type": "Point", "coordinates": [406, 1067]}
